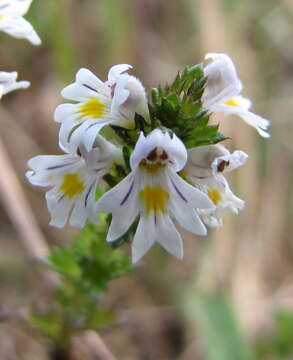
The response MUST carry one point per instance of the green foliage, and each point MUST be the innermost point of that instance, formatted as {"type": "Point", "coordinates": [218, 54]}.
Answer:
{"type": "Point", "coordinates": [217, 328]}
{"type": "Point", "coordinates": [280, 342]}
{"type": "Point", "coordinates": [86, 267]}
{"type": "Point", "coordinates": [177, 107]}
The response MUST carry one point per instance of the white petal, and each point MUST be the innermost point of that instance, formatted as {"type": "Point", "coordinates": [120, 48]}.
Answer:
{"type": "Point", "coordinates": [234, 161]}
{"type": "Point", "coordinates": [59, 209]}
{"type": "Point", "coordinates": [117, 70]}
{"type": "Point", "coordinates": [120, 94]}
{"type": "Point", "coordinates": [144, 238]}
{"type": "Point", "coordinates": [201, 158]}
{"type": "Point", "coordinates": [187, 217]}
{"type": "Point", "coordinates": [1, 90]}
{"type": "Point", "coordinates": [86, 134]}
{"type": "Point", "coordinates": [16, 85]}
{"type": "Point", "coordinates": [187, 193]}
{"type": "Point", "coordinates": [84, 207]}
{"type": "Point", "coordinates": [256, 121]}
{"type": "Point", "coordinates": [173, 147]}
{"type": "Point", "coordinates": [222, 83]}
{"type": "Point", "coordinates": [121, 201]}
{"type": "Point", "coordinates": [64, 112]}
{"type": "Point", "coordinates": [168, 236]}
{"type": "Point", "coordinates": [47, 167]}
{"type": "Point", "coordinates": [64, 134]}
{"type": "Point", "coordinates": [85, 76]}
{"type": "Point", "coordinates": [20, 29]}
{"type": "Point", "coordinates": [15, 7]}
{"type": "Point", "coordinates": [87, 85]}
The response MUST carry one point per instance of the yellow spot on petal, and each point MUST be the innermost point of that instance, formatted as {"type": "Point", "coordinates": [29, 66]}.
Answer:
{"type": "Point", "coordinates": [154, 198]}
{"type": "Point", "coordinates": [93, 108]}
{"type": "Point", "coordinates": [215, 196]}
{"type": "Point", "coordinates": [1, 17]}
{"type": "Point", "coordinates": [72, 185]}
{"type": "Point", "coordinates": [231, 102]}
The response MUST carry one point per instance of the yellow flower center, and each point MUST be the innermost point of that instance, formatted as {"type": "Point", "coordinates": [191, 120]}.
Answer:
{"type": "Point", "coordinates": [154, 198]}
{"type": "Point", "coordinates": [72, 185]}
{"type": "Point", "coordinates": [93, 108]}
{"type": "Point", "coordinates": [231, 102]}
{"type": "Point", "coordinates": [215, 196]}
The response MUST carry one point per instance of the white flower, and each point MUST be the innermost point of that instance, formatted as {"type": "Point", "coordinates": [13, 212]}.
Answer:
{"type": "Point", "coordinates": [204, 169]}
{"type": "Point", "coordinates": [154, 191]}
{"type": "Point", "coordinates": [113, 102]}
{"type": "Point", "coordinates": [13, 23]}
{"type": "Point", "coordinates": [74, 179]}
{"type": "Point", "coordinates": [8, 82]}
{"type": "Point", "coordinates": [222, 92]}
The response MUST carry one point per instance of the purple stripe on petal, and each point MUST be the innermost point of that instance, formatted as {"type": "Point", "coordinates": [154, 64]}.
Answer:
{"type": "Point", "coordinates": [127, 195]}
{"type": "Point", "coordinates": [89, 87]}
{"type": "Point", "coordinates": [88, 194]}
{"type": "Point", "coordinates": [60, 166]}
{"type": "Point", "coordinates": [179, 192]}
{"type": "Point", "coordinates": [97, 170]}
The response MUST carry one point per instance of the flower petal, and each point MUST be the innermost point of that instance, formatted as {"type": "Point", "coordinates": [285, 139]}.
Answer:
{"type": "Point", "coordinates": [168, 236]}
{"type": "Point", "coordinates": [121, 201]}
{"type": "Point", "coordinates": [86, 134]}
{"type": "Point", "coordinates": [20, 29]}
{"type": "Point", "coordinates": [187, 193]}
{"type": "Point", "coordinates": [15, 7]}
{"type": "Point", "coordinates": [59, 208]}
{"type": "Point", "coordinates": [117, 70]}
{"type": "Point", "coordinates": [144, 238]}
{"type": "Point", "coordinates": [222, 83]}
{"type": "Point", "coordinates": [87, 85]}
{"type": "Point", "coordinates": [173, 146]}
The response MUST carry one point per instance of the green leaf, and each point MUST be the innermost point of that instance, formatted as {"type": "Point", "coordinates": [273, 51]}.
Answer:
{"type": "Point", "coordinates": [62, 260]}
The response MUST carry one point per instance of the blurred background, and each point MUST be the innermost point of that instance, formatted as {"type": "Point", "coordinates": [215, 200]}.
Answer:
{"type": "Point", "coordinates": [232, 296]}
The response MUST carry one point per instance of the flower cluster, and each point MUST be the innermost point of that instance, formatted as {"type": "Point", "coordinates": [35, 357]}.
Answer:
{"type": "Point", "coordinates": [158, 163]}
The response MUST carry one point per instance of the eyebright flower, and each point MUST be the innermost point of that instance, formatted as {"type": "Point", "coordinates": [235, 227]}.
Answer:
{"type": "Point", "coordinates": [74, 179]}
{"type": "Point", "coordinates": [13, 23]}
{"type": "Point", "coordinates": [113, 102]}
{"type": "Point", "coordinates": [154, 191]}
{"type": "Point", "coordinates": [204, 169]}
{"type": "Point", "coordinates": [8, 82]}
{"type": "Point", "coordinates": [222, 92]}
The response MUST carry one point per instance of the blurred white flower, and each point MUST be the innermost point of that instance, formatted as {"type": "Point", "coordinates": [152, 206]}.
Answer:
{"type": "Point", "coordinates": [74, 179]}
{"type": "Point", "coordinates": [13, 23]}
{"type": "Point", "coordinates": [113, 102]}
{"type": "Point", "coordinates": [154, 191]}
{"type": "Point", "coordinates": [204, 169]}
{"type": "Point", "coordinates": [8, 82]}
{"type": "Point", "coordinates": [222, 92]}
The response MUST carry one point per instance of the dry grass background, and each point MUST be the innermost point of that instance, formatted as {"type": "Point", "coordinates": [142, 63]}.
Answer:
{"type": "Point", "coordinates": [250, 258]}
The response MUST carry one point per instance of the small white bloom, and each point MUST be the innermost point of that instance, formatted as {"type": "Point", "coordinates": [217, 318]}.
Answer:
{"type": "Point", "coordinates": [13, 23]}
{"type": "Point", "coordinates": [204, 169]}
{"type": "Point", "coordinates": [98, 104]}
{"type": "Point", "coordinates": [8, 82]}
{"type": "Point", "coordinates": [154, 191]}
{"type": "Point", "coordinates": [74, 179]}
{"type": "Point", "coordinates": [222, 92]}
